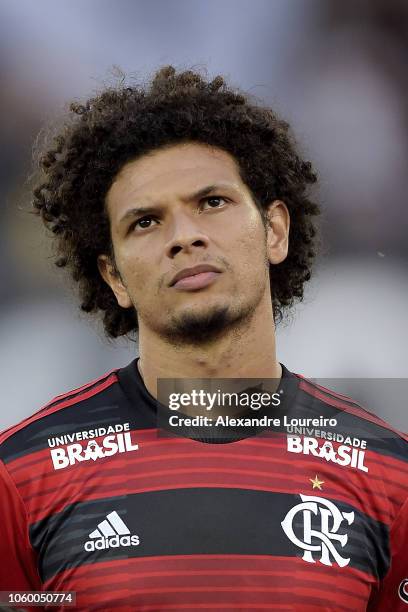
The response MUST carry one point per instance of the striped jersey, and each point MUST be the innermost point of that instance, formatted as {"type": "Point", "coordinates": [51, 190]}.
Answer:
{"type": "Point", "coordinates": [307, 513]}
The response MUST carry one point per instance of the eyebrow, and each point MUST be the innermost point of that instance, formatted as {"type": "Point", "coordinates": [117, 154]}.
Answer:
{"type": "Point", "coordinates": [201, 193]}
{"type": "Point", "coordinates": [134, 212]}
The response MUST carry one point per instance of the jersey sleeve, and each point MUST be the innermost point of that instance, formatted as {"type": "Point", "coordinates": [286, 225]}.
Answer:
{"type": "Point", "coordinates": [18, 567]}
{"type": "Point", "coordinates": [392, 593]}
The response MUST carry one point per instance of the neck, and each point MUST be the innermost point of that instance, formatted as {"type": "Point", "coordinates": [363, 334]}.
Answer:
{"type": "Point", "coordinates": [247, 351]}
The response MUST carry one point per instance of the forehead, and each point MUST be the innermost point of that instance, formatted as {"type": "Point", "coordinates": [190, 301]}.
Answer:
{"type": "Point", "coordinates": [175, 170]}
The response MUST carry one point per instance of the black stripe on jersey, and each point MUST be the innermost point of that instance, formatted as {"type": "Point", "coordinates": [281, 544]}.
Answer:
{"type": "Point", "coordinates": [200, 521]}
{"type": "Point", "coordinates": [109, 407]}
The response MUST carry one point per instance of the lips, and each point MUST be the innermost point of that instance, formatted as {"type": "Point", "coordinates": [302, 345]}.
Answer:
{"type": "Point", "coordinates": [188, 272]}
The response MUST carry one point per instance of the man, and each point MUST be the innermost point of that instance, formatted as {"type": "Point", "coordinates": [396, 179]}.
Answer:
{"type": "Point", "coordinates": [182, 210]}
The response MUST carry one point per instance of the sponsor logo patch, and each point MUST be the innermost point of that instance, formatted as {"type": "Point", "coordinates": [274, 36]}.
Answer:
{"type": "Point", "coordinates": [111, 533]}
{"type": "Point", "coordinates": [342, 455]}
{"type": "Point", "coordinates": [82, 446]}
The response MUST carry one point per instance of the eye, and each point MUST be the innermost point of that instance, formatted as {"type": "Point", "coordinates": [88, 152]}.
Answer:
{"type": "Point", "coordinates": [143, 223]}
{"type": "Point", "coordinates": [215, 200]}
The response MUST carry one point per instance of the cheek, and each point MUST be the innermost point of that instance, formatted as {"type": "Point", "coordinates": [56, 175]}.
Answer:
{"type": "Point", "coordinates": [136, 271]}
{"type": "Point", "coordinates": [251, 237]}
{"type": "Point", "coordinates": [248, 250]}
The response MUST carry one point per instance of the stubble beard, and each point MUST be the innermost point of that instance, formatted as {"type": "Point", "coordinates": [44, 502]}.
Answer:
{"type": "Point", "coordinates": [192, 328]}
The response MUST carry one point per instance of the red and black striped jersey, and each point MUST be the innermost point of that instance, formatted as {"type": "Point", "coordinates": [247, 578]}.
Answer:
{"type": "Point", "coordinates": [307, 514]}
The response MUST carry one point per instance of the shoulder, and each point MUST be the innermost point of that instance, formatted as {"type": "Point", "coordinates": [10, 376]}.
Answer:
{"type": "Point", "coordinates": [345, 432]}
{"type": "Point", "coordinates": [55, 412]}
{"type": "Point", "coordinates": [348, 411]}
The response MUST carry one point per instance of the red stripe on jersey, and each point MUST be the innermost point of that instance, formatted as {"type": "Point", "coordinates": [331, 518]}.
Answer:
{"type": "Point", "coordinates": [151, 576]}
{"type": "Point", "coordinates": [110, 477]}
{"type": "Point", "coordinates": [151, 441]}
{"type": "Point", "coordinates": [388, 463]}
{"type": "Point", "coordinates": [200, 577]}
{"type": "Point", "coordinates": [29, 466]}
{"type": "Point", "coordinates": [64, 404]}
{"type": "Point", "coordinates": [151, 467]}
{"type": "Point", "coordinates": [208, 562]}
{"type": "Point", "coordinates": [175, 580]}
{"type": "Point", "coordinates": [329, 392]}
{"type": "Point", "coordinates": [198, 463]}
{"type": "Point", "coordinates": [234, 596]}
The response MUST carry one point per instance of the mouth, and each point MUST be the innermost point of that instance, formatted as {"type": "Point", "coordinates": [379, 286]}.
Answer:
{"type": "Point", "coordinates": [198, 281]}
{"type": "Point", "coordinates": [195, 278]}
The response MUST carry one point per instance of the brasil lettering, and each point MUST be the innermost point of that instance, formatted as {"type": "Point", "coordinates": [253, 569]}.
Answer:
{"type": "Point", "coordinates": [342, 455]}
{"type": "Point", "coordinates": [111, 440]}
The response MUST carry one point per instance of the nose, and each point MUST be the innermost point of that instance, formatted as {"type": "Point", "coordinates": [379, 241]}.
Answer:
{"type": "Point", "coordinates": [186, 236]}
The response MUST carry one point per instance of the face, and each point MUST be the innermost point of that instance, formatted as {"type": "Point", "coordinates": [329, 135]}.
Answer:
{"type": "Point", "coordinates": [190, 245]}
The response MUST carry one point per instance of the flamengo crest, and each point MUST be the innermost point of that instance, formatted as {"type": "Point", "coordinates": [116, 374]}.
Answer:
{"type": "Point", "coordinates": [330, 520]}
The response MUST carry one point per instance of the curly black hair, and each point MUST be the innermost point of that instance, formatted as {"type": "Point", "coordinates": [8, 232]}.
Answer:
{"type": "Point", "coordinates": [122, 123]}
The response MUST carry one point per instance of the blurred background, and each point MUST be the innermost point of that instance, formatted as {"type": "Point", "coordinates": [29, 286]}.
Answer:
{"type": "Point", "coordinates": [337, 71]}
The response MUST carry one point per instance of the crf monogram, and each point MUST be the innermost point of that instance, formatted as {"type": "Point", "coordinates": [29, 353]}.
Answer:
{"type": "Point", "coordinates": [403, 594]}
{"type": "Point", "coordinates": [326, 536]}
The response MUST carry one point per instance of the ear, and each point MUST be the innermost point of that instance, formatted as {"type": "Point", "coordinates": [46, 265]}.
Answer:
{"type": "Point", "coordinates": [111, 276]}
{"type": "Point", "coordinates": [277, 227]}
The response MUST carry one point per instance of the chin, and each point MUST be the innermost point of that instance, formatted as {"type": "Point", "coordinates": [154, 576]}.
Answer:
{"type": "Point", "coordinates": [199, 326]}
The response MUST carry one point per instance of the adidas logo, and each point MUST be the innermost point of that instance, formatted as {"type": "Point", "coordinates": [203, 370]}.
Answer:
{"type": "Point", "coordinates": [111, 533]}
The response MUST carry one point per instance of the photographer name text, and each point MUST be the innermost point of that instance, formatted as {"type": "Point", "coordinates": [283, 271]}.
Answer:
{"type": "Point", "coordinates": [264, 421]}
